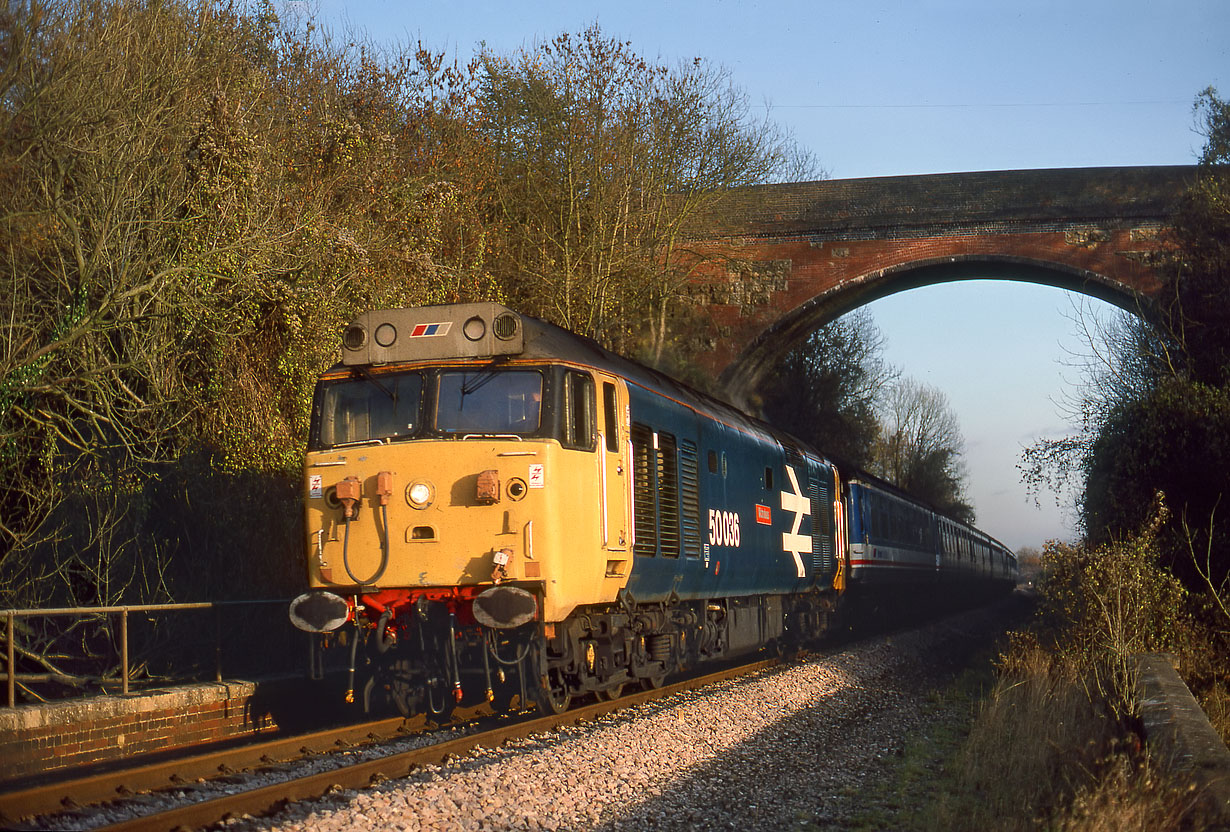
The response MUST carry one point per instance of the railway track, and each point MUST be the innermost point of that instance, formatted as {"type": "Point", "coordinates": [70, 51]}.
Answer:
{"type": "Point", "coordinates": [101, 788]}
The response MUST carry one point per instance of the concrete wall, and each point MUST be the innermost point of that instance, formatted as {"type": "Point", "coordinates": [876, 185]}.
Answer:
{"type": "Point", "coordinates": [1180, 736]}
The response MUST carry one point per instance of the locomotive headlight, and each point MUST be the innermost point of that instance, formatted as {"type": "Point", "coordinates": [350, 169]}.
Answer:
{"type": "Point", "coordinates": [475, 328]}
{"type": "Point", "coordinates": [419, 494]}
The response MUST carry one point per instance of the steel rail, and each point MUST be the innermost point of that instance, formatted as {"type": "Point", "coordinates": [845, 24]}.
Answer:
{"type": "Point", "coordinates": [57, 795]}
{"type": "Point", "coordinates": [264, 799]}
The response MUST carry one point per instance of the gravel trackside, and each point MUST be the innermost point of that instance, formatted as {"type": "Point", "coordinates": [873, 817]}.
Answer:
{"type": "Point", "coordinates": [796, 747]}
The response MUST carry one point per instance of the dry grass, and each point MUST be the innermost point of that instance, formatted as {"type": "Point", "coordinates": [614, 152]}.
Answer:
{"type": "Point", "coordinates": [1057, 744]}
{"type": "Point", "coordinates": [1131, 798]}
{"type": "Point", "coordinates": [1044, 753]}
{"type": "Point", "coordinates": [1037, 740]}
{"type": "Point", "coordinates": [1216, 704]}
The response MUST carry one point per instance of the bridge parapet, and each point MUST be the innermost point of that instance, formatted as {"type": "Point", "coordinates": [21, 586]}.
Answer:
{"type": "Point", "coordinates": [1180, 736]}
{"type": "Point", "coordinates": [890, 207]}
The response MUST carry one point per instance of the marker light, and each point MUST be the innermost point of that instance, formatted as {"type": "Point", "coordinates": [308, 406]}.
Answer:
{"type": "Point", "coordinates": [386, 335]}
{"type": "Point", "coordinates": [475, 328]}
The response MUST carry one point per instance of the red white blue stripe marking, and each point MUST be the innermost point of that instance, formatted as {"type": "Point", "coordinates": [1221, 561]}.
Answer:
{"type": "Point", "coordinates": [427, 330]}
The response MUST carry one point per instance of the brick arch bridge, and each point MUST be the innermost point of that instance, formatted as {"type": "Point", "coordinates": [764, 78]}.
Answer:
{"type": "Point", "coordinates": [795, 256]}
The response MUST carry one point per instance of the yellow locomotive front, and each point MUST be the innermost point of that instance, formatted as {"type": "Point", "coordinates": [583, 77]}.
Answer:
{"type": "Point", "coordinates": [462, 495]}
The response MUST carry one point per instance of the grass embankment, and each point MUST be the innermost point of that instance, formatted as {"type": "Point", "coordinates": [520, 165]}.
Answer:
{"type": "Point", "coordinates": [1046, 734]}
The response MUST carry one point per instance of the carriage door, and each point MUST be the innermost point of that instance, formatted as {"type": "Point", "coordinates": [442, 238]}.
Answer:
{"type": "Point", "coordinates": [614, 471]}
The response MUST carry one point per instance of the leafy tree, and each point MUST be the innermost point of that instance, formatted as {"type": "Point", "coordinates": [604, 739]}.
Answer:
{"type": "Point", "coordinates": [826, 390]}
{"type": "Point", "coordinates": [600, 158]}
{"type": "Point", "coordinates": [1175, 440]}
{"type": "Point", "coordinates": [197, 200]}
{"type": "Point", "coordinates": [1196, 300]}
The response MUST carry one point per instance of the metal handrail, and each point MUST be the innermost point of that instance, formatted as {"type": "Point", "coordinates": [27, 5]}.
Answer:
{"type": "Point", "coordinates": [11, 616]}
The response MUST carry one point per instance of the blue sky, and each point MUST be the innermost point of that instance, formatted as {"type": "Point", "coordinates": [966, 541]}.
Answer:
{"type": "Point", "coordinates": [929, 86]}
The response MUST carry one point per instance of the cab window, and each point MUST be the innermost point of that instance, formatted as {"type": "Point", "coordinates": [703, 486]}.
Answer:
{"type": "Point", "coordinates": [487, 402]}
{"type": "Point", "coordinates": [610, 416]}
{"type": "Point", "coordinates": [366, 408]}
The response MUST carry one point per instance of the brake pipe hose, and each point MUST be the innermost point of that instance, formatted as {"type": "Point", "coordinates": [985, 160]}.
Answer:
{"type": "Point", "coordinates": [384, 551]}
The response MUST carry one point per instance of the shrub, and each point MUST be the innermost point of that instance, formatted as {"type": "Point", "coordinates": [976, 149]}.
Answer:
{"type": "Point", "coordinates": [1103, 605]}
{"type": "Point", "coordinates": [1057, 744]}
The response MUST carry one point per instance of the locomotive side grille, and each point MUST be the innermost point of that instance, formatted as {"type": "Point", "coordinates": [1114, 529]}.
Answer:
{"type": "Point", "coordinates": [689, 484]}
{"type": "Point", "coordinates": [644, 478]}
{"type": "Point", "coordinates": [822, 524]}
{"type": "Point", "coordinates": [668, 495]}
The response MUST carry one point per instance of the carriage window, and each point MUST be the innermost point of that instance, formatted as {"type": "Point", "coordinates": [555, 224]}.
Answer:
{"type": "Point", "coordinates": [578, 422]}
{"type": "Point", "coordinates": [489, 402]}
{"type": "Point", "coordinates": [369, 407]}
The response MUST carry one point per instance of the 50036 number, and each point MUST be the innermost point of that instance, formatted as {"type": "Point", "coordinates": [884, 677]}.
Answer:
{"type": "Point", "coordinates": [723, 528]}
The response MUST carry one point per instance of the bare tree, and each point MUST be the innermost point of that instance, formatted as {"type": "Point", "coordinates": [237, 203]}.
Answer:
{"type": "Point", "coordinates": [920, 447]}
{"type": "Point", "coordinates": [1122, 360]}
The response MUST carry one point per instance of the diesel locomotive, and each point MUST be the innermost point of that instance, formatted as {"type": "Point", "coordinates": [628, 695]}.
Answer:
{"type": "Point", "coordinates": [498, 509]}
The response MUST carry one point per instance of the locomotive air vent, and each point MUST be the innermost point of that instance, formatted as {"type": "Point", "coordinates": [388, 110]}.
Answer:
{"type": "Point", "coordinates": [505, 326]}
{"type": "Point", "coordinates": [355, 337]}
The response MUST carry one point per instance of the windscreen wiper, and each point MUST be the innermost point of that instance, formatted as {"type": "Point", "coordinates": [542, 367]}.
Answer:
{"type": "Point", "coordinates": [368, 377]}
{"type": "Point", "coordinates": [482, 377]}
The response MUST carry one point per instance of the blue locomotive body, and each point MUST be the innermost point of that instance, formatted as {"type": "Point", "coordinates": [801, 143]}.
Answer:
{"type": "Point", "coordinates": [724, 507]}
{"type": "Point", "coordinates": [536, 517]}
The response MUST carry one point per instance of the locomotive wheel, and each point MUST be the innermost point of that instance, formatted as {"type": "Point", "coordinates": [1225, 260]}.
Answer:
{"type": "Point", "coordinates": [653, 682]}
{"type": "Point", "coordinates": [554, 697]}
{"type": "Point", "coordinates": [612, 693]}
